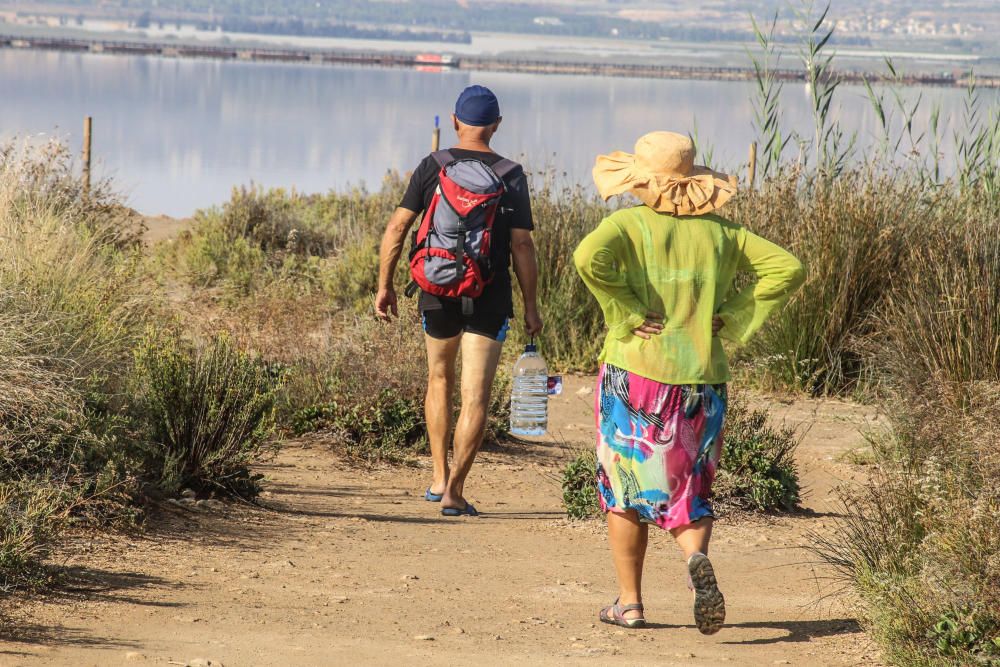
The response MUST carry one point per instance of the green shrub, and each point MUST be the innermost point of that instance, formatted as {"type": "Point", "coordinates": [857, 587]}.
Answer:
{"type": "Point", "coordinates": [271, 221]}
{"type": "Point", "coordinates": [30, 516]}
{"type": "Point", "coordinates": [968, 631]}
{"type": "Point", "coordinates": [579, 486]}
{"type": "Point", "coordinates": [386, 426]}
{"type": "Point", "coordinates": [757, 470]}
{"type": "Point", "coordinates": [260, 237]}
{"type": "Point", "coordinates": [211, 256]}
{"type": "Point", "coordinates": [351, 278]}
{"type": "Point", "coordinates": [207, 414]}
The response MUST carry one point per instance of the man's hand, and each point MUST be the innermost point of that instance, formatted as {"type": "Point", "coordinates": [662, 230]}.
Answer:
{"type": "Point", "coordinates": [522, 250]}
{"type": "Point", "coordinates": [653, 326]}
{"type": "Point", "coordinates": [532, 322]}
{"type": "Point", "coordinates": [392, 247]}
{"type": "Point", "coordinates": [386, 303]}
{"type": "Point", "coordinates": [717, 324]}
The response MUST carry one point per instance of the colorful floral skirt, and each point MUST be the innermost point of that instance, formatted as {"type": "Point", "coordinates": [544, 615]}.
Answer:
{"type": "Point", "coordinates": [658, 446]}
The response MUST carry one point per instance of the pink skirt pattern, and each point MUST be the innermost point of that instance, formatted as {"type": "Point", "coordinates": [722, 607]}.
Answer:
{"type": "Point", "coordinates": [658, 446]}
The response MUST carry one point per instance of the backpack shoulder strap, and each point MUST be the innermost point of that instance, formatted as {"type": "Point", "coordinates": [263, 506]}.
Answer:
{"type": "Point", "coordinates": [504, 167]}
{"type": "Point", "coordinates": [443, 157]}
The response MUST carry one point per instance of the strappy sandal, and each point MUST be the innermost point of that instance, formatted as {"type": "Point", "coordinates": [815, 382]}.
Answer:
{"type": "Point", "coordinates": [709, 604]}
{"type": "Point", "coordinates": [615, 615]}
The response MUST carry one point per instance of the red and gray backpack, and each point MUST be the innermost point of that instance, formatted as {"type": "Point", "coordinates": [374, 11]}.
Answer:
{"type": "Point", "coordinates": [451, 247]}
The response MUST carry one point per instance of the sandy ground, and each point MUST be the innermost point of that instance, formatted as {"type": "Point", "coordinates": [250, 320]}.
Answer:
{"type": "Point", "coordinates": [163, 227]}
{"type": "Point", "coordinates": [350, 566]}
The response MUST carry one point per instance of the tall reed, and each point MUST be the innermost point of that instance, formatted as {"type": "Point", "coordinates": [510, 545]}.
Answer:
{"type": "Point", "coordinates": [903, 301]}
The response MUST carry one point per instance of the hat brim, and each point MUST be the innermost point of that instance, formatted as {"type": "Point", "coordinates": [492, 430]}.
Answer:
{"type": "Point", "coordinates": [702, 191]}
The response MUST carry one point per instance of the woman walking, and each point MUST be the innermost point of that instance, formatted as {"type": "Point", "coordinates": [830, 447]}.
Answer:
{"type": "Point", "coordinates": [663, 273]}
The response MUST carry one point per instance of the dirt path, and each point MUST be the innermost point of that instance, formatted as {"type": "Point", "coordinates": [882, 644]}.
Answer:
{"type": "Point", "coordinates": [355, 568]}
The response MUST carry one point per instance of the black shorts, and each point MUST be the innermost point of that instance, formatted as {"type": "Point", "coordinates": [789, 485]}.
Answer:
{"type": "Point", "coordinates": [448, 322]}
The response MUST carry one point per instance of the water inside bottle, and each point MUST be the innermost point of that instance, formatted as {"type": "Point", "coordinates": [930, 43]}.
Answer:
{"type": "Point", "coordinates": [529, 399]}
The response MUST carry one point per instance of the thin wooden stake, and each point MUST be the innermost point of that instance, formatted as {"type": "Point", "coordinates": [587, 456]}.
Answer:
{"type": "Point", "coordinates": [752, 167]}
{"type": "Point", "coordinates": [436, 135]}
{"type": "Point", "coordinates": [87, 126]}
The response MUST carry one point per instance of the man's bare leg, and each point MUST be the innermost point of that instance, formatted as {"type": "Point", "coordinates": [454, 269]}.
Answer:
{"type": "Point", "coordinates": [441, 356]}
{"type": "Point", "coordinates": [480, 356]}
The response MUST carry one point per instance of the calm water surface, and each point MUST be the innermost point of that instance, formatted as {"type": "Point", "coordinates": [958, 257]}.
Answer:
{"type": "Point", "coordinates": [177, 135]}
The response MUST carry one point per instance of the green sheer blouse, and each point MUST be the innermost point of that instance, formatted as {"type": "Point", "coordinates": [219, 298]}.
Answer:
{"type": "Point", "coordinates": [639, 261]}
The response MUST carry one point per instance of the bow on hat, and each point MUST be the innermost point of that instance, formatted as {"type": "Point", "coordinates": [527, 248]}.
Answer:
{"type": "Point", "coordinates": [662, 174]}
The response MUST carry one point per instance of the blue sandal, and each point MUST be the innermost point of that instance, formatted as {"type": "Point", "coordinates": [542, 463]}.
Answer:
{"type": "Point", "coordinates": [432, 497]}
{"type": "Point", "coordinates": [468, 510]}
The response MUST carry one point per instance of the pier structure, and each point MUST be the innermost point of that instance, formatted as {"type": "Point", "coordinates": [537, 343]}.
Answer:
{"type": "Point", "coordinates": [437, 62]}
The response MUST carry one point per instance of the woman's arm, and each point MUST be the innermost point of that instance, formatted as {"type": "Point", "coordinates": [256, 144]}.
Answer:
{"type": "Point", "coordinates": [600, 259]}
{"type": "Point", "coordinates": [778, 273]}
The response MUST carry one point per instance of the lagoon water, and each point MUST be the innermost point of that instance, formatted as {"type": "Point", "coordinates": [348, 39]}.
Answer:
{"type": "Point", "coordinates": [178, 134]}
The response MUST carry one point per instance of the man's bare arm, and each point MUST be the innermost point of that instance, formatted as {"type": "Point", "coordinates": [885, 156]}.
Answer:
{"type": "Point", "coordinates": [392, 248]}
{"type": "Point", "coordinates": [522, 249]}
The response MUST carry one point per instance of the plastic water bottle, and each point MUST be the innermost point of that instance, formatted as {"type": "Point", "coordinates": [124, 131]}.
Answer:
{"type": "Point", "coordinates": [529, 401]}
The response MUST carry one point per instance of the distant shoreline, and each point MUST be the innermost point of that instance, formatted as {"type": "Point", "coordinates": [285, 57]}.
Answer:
{"type": "Point", "coordinates": [439, 61]}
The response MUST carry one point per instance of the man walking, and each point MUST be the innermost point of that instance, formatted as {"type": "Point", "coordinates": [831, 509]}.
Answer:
{"type": "Point", "coordinates": [477, 326]}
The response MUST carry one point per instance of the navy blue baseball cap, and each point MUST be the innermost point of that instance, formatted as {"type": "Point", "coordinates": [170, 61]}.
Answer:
{"type": "Point", "coordinates": [477, 105]}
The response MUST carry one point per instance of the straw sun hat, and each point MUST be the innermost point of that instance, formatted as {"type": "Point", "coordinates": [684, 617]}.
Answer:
{"type": "Point", "coordinates": [662, 174]}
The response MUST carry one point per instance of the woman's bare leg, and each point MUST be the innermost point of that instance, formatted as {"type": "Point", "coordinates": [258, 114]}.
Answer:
{"type": "Point", "coordinates": [628, 538]}
{"type": "Point", "coordinates": [709, 603]}
{"type": "Point", "coordinates": [694, 537]}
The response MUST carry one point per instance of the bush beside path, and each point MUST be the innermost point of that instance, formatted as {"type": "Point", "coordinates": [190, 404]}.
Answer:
{"type": "Point", "coordinates": [350, 563]}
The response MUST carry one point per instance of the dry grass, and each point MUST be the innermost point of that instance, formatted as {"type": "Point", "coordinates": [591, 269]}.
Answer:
{"type": "Point", "coordinates": [944, 319]}
{"type": "Point", "coordinates": [919, 543]}
{"type": "Point", "coordinates": [75, 301]}
{"type": "Point", "coordinates": [71, 307]}
{"type": "Point", "coordinates": [854, 236]}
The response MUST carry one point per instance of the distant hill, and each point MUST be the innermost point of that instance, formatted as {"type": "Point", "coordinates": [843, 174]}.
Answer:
{"type": "Point", "coordinates": [969, 26]}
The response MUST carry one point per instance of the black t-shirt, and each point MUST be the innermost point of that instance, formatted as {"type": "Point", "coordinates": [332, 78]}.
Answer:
{"type": "Point", "coordinates": [497, 297]}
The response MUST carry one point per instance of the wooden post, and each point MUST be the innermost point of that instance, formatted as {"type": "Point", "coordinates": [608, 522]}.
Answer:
{"type": "Point", "coordinates": [87, 124]}
{"type": "Point", "coordinates": [752, 167]}
{"type": "Point", "coordinates": [436, 135]}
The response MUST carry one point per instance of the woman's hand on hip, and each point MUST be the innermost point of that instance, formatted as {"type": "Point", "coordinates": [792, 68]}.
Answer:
{"type": "Point", "coordinates": [653, 326]}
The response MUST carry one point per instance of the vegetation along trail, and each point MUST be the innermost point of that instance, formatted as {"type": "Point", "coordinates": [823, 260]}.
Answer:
{"type": "Point", "coordinates": [352, 566]}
